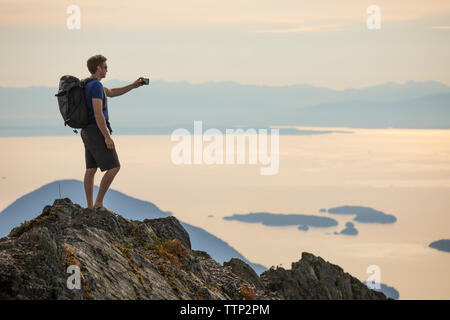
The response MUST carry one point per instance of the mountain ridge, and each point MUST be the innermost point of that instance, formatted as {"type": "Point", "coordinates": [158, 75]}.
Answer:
{"type": "Point", "coordinates": [28, 206]}
{"type": "Point", "coordinates": [116, 81]}
{"type": "Point", "coordinates": [118, 258]}
{"type": "Point", "coordinates": [411, 105]}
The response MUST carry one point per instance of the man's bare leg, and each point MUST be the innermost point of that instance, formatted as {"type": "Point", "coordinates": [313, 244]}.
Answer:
{"type": "Point", "coordinates": [104, 186]}
{"type": "Point", "coordinates": [89, 186]}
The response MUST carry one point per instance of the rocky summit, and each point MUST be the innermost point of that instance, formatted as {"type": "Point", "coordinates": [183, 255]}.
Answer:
{"type": "Point", "coordinates": [71, 252]}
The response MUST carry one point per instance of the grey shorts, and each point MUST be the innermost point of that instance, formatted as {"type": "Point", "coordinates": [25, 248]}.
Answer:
{"type": "Point", "coordinates": [96, 152]}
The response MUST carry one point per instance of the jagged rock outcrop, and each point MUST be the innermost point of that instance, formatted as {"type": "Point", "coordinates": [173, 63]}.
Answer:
{"type": "Point", "coordinates": [244, 271]}
{"type": "Point", "coordinates": [314, 278]}
{"type": "Point", "coordinates": [151, 259]}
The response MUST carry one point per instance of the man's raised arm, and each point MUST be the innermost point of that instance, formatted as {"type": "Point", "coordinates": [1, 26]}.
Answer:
{"type": "Point", "coordinates": [115, 92]}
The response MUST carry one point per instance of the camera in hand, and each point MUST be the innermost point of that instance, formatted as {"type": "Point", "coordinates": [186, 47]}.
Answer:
{"type": "Point", "coordinates": [145, 81]}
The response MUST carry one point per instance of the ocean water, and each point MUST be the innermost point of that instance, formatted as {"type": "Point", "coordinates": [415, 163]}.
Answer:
{"type": "Point", "coordinates": [402, 172]}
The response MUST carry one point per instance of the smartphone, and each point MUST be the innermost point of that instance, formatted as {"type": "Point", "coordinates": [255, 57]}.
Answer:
{"type": "Point", "coordinates": [145, 81]}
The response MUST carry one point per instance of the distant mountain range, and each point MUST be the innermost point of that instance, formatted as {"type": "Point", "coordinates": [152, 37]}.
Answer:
{"type": "Point", "coordinates": [163, 106]}
{"type": "Point", "coordinates": [30, 206]}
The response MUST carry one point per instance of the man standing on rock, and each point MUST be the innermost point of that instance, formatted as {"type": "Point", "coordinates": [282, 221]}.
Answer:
{"type": "Point", "coordinates": [100, 150]}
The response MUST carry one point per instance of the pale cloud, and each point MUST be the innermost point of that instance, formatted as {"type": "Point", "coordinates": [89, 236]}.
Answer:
{"type": "Point", "coordinates": [440, 27]}
{"type": "Point", "coordinates": [198, 13]}
{"type": "Point", "coordinates": [183, 40]}
{"type": "Point", "coordinates": [303, 29]}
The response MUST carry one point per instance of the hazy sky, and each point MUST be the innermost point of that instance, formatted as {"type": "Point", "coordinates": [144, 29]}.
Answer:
{"type": "Point", "coordinates": [324, 43]}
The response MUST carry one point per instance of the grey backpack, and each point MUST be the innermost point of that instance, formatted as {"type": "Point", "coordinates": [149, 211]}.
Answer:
{"type": "Point", "coordinates": [72, 102]}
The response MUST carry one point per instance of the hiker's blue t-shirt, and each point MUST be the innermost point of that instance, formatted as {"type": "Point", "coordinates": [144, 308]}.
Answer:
{"type": "Point", "coordinates": [94, 89]}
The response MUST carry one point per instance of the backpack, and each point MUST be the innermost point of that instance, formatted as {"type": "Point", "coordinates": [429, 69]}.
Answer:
{"type": "Point", "coordinates": [72, 102]}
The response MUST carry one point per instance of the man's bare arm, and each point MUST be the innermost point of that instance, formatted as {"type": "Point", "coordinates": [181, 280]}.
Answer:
{"type": "Point", "coordinates": [97, 105]}
{"type": "Point", "coordinates": [115, 92]}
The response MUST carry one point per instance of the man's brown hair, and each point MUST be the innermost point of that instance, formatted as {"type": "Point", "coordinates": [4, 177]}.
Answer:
{"type": "Point", "coordinates": [95, 61]}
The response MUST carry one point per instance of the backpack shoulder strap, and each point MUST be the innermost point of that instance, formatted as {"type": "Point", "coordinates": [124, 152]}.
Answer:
{"type": "Point", "coordinates": [85, 81]}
